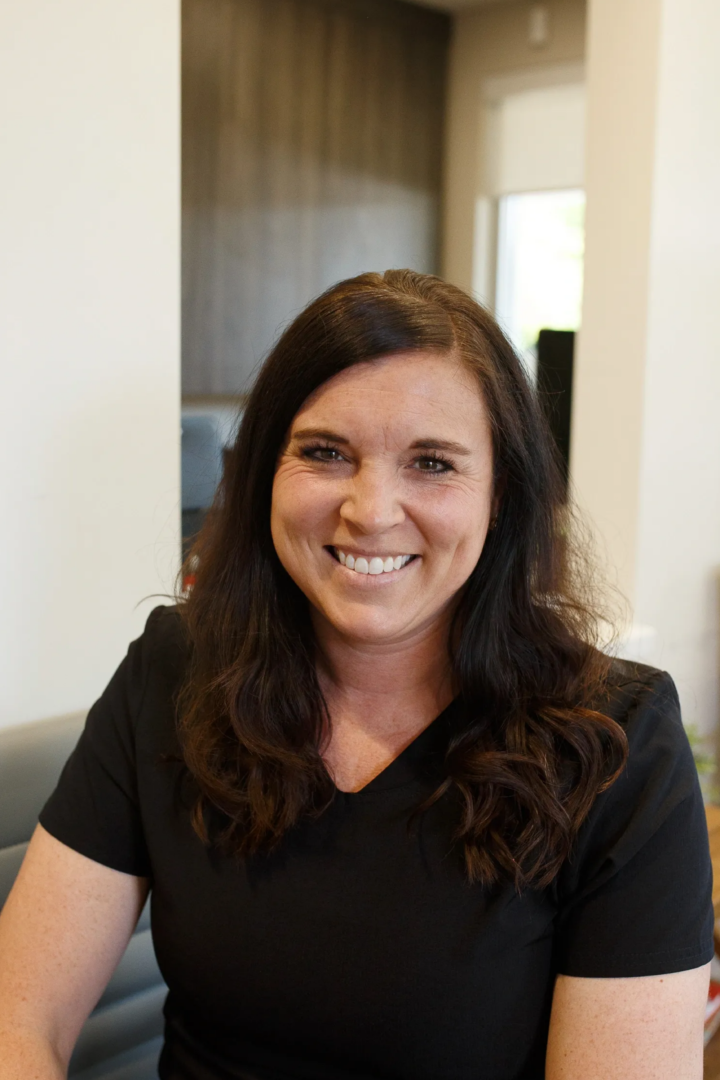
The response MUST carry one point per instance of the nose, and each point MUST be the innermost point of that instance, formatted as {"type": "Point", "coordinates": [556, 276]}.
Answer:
{"type": "Point", "coordinates": [372, 504]}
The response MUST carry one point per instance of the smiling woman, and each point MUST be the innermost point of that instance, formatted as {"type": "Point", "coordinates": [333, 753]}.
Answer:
{"type": "Point", "coordinates": [400, 816]}
{"type": "Point", "coordinates": [393, 419]}
{"type": "Point", "coordinates": [375, 489]}
{"type": "Point", "coordinates": [381, 503]}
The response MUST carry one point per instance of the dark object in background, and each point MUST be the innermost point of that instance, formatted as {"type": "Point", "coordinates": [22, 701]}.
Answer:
{"type": "Point", "coordinates": [555, 352]}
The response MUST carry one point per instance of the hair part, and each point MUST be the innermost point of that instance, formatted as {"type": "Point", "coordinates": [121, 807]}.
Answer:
{"type": "Point", "coordinates": [533, 750]}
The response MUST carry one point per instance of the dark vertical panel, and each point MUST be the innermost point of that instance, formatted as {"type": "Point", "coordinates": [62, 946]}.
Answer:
{"type": "Point", "coordinates": [555, 351]}
{"type": "Point", "coordinates": [312, 143]}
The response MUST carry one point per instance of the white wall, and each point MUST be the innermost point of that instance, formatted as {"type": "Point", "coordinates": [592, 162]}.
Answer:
{"type": "Point", "coordinates": [646, 410]}
{"type": "Point", "coordinates": [677, 569]}
{"type": "Point", "coordinates": [89, 339]}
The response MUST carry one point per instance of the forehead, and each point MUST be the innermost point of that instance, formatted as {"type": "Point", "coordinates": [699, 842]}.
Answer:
{"type": "Point", "coordinates": [400, 393]}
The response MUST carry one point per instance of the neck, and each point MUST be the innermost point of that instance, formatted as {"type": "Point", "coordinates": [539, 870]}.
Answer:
{"type": "Point", "coordinates": [412, 675]}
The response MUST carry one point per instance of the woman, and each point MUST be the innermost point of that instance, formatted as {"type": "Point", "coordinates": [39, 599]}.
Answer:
{"type": "Point", "coordinates": [400, 817]}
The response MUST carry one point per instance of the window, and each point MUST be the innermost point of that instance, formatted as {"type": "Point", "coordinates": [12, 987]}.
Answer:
{"type": "Point", "coordinates": [539, 265]}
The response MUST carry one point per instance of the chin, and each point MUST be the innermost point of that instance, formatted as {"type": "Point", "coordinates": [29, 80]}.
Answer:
{"type": "Point", "coordinates": [369, 627]}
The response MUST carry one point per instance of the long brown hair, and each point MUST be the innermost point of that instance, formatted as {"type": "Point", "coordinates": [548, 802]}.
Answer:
{"type": "Point", "coordinates": [532, 751]}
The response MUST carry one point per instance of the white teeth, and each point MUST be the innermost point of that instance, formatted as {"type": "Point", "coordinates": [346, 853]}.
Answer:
{"type": "Point", "coordinates": [375, 565]}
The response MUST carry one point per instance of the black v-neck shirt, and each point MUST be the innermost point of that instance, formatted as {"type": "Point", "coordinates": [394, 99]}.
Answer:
{"type": "Point", "coordinates": [358, 950]}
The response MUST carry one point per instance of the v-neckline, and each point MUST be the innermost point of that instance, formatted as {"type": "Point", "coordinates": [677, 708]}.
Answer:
{"type": "Point", "coordinates": [414, 762]}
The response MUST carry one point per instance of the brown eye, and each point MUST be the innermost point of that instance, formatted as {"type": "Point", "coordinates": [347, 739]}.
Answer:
{"type": "Point", "coordinates": [322, 453]}
{"type": "Point", "coordinates": [433, 465]}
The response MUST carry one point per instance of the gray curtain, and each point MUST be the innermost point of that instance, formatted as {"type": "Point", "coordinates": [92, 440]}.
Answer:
{"type": "Point", "coordinates": [312, 147]}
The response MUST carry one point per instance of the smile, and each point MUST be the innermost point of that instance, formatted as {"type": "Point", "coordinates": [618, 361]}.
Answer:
{"type": "Point", "coordinates": [376, 564]}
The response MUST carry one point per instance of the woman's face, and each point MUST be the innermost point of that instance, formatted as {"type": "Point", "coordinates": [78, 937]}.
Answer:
{"type": "Point", "coordinates": [383, 495]}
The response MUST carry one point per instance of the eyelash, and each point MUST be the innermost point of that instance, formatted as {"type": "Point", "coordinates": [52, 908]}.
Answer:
{"type": "Point", "coordinates": [433, 455]}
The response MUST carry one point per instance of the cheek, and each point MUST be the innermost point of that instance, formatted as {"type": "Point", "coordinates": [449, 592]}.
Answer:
{"type": "Point", "coordinates": [299, 504]}
{"type": "Point", "coordinates": [455, 523]}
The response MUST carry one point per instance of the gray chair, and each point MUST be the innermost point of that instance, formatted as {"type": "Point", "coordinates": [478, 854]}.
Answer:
{"type": "Point", "coordinates": [122, 1038]}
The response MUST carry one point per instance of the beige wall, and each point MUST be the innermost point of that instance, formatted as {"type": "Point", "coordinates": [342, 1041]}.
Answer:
{"type": "Point", "coordinates": [677, 566]}
{"type": "Point", "coordinates": [646, 434]}
{"type": "Point", "coordinates": [89, 339]}
{"type": "Point", "coordinates": [609, 386]}
{"type": "Point", "coordinates": [646, 428]}
{"type": "Point", "coordinates": [488, 43]}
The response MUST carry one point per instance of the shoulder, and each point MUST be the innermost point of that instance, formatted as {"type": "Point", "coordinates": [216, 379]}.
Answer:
{"type": "Point", "coordinates": [630, 685]}
{"type": "Point", "coordinates": [644, 701]}
{"type": "Point", "coordinates": [119, 767]}
{"type": "Point", "coordinates": [635, 894]}
{"type": "Point", "coordinates": [163, 647]}
{"type": "Point", "coordinates": [165, 636]}
{"type": "Point", "coordinates": [659, 774]}
{"type": "Point", "coordinates": [145, 686]}
{"type": "Point", "coordinates": [158, 659]}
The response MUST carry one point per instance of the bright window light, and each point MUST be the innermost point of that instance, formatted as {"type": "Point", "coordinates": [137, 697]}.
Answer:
{"type": "Point", "coordinates": [539, 265]}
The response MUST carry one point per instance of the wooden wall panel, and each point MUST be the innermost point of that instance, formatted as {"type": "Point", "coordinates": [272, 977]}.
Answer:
{"type": "Point", "coordinates": [312, 147]}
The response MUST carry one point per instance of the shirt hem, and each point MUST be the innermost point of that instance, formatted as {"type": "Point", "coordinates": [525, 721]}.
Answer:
{"type": "Point", "coordinates": [636, 966]}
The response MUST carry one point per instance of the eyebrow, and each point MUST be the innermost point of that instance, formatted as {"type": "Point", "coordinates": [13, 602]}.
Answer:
{"type": "Point", "coordinates": [319, 433]}
{"type": "Point", "coordinates": [447, 445]}
{"type": "Point", "coordinates": [441, 444]}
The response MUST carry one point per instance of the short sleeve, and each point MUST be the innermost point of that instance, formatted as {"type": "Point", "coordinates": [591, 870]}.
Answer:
{"type": "Point", "coordinates": [95, 807]}
{"type": "Point", "coordinates": [636, 897]}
